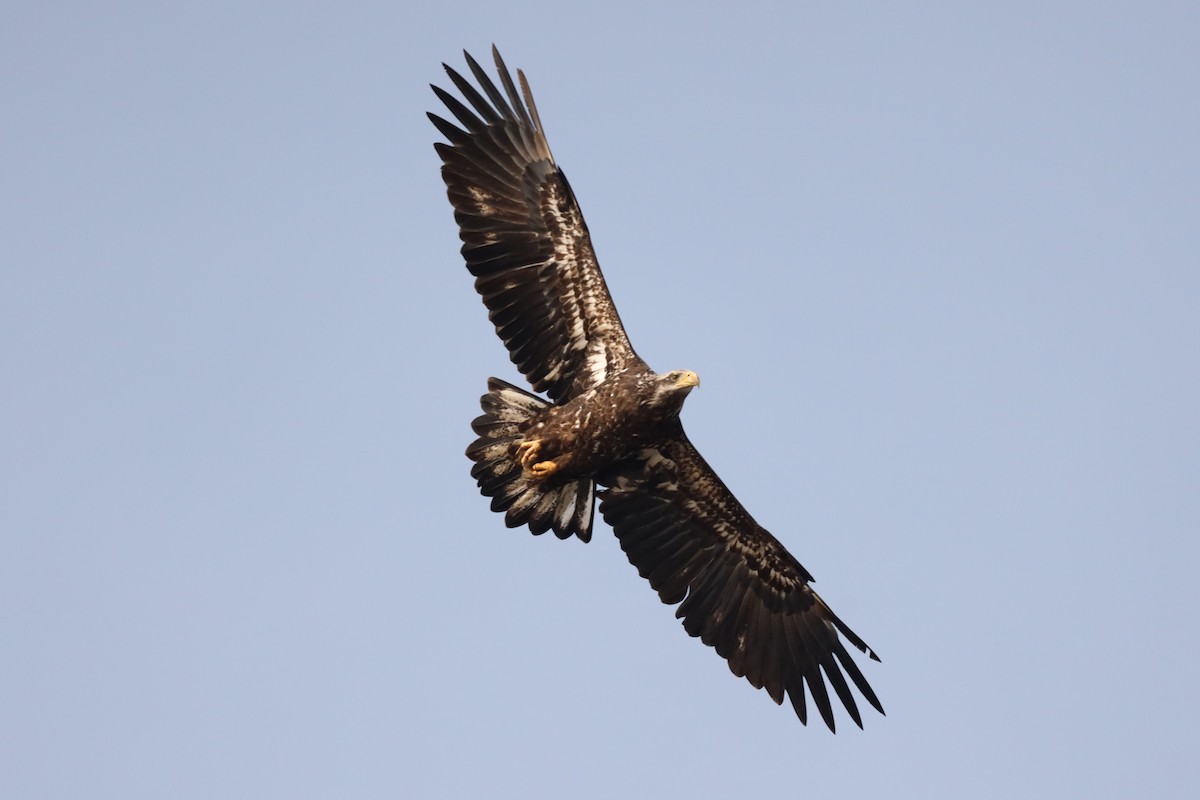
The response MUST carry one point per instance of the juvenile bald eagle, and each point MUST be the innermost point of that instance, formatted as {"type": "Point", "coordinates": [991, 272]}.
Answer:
{"type": "Point", "coordinates": [611, 421]}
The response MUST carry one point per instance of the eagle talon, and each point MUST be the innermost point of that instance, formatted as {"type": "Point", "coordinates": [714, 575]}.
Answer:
{"type": "Point", "coordinates": [528, 451]}
{"type": "Point", "coordinates": [544, 469]}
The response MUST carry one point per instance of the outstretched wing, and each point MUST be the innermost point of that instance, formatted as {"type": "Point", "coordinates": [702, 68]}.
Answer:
{"type": "Point", "coordinates": [524, 238]}
{"type": "Point", "coordinates": [739, 590]}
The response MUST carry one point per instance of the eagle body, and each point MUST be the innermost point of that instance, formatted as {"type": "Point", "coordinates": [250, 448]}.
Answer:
{"type": "Point", "coordinates": [608, 427]}
{"type": "Point", "coordinates": [608, 423]}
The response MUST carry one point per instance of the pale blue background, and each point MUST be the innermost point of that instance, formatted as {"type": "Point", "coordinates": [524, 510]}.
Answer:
{"type": "Point", "coordinates": [939, 268]}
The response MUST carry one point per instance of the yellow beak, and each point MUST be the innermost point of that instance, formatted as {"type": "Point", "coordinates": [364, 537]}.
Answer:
{"type": "Point", "coordinates": [687, 379]}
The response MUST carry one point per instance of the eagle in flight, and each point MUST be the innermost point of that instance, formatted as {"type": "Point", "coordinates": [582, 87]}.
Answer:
{"type": "Point", "coordinates": [611, 429]}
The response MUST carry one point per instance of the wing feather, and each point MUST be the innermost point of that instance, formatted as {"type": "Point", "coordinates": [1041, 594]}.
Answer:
{"type": "Point", "coordinates": [524, 237]}
{"type": "Point", "coordinates": [739, 590]}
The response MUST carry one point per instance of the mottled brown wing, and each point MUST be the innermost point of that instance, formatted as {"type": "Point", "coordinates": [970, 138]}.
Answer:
{"type": "Point", "coordinates": [739, 590]}
{"type": "Point", "coordinates": [524, 238]}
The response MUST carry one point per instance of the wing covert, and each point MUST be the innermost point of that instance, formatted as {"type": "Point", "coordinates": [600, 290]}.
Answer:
{"type": "Point", "coordinates": [738, 589]}
{"type": "Point", "coordinates": [525, 239]}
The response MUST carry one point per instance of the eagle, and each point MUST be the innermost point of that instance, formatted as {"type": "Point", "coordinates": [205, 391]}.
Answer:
{"type": "Point", "coordinates": [608, 426]}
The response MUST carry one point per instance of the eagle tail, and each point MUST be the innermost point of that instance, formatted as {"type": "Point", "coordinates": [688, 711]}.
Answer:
{"type": "Point", "coordinates": [566, 508]}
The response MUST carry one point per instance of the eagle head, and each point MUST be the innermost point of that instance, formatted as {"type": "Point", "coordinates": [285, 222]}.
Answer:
{"type": "Point", "coordinates": [670, 388]}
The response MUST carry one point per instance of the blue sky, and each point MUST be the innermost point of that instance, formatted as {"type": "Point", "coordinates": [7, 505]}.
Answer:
{"type": "Point", "coordinates": [938, 267]}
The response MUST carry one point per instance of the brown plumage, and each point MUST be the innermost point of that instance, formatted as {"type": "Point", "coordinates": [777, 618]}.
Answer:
{"type": "Point", "coordinates": [610, 420]}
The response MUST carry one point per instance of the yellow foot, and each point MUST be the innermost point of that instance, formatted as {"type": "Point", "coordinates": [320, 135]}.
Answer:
{"type": "Point", "coordinates": [544, 469]}
{"type": "Point", "coordinates": [527, 452]}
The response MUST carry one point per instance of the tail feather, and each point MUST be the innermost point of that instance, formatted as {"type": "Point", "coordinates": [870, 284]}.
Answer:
{"type": "Point", "coordinates": [566, 508]}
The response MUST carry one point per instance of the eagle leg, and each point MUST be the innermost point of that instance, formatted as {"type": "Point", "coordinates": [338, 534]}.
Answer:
{"type": "Point", "coordinates": [528, 451]}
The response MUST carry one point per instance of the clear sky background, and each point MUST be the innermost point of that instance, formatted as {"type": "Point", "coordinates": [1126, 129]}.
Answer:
{"type": "Point", "coordinates": [938, 267]}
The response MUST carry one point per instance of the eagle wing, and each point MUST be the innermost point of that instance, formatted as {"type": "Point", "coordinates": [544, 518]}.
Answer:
{"type": "Point", "coordinates": [739, 589]}
{"type": "Point", "coordinates": [524, 238]}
